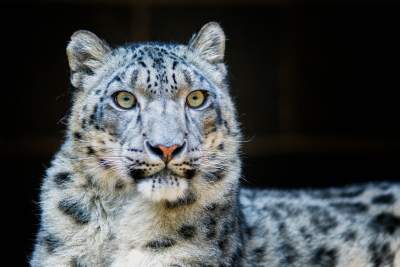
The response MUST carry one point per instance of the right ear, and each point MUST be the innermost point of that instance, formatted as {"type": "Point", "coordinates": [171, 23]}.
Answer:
{"type": "Point", "coordinates": [86, 52]}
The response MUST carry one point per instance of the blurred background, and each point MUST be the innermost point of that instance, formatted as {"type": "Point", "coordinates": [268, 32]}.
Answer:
{"type": "Point", "coordinates": [316, 84]}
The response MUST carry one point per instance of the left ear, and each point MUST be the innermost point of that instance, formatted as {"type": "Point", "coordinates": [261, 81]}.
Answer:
{"type": "Point", "coordinates": [86, 52]}
{"type": "Point", "coordinates": [209, 43]}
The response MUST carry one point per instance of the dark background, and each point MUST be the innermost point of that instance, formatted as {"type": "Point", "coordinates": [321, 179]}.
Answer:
{"type": "Point", "coordinates": [316, 84]}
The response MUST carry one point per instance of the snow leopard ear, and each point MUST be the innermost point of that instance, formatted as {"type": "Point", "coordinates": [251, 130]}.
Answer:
{"type": "Point", "coordinates": [86, 52]}
{"type": "Point", "coordinates": [209, 43]}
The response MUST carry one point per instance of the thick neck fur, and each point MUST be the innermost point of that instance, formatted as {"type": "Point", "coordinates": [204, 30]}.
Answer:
{"type": "Point", "coordinates": [119, 218]}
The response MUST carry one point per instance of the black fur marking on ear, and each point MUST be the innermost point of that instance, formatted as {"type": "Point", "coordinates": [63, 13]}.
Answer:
{"type": "Point", "coordinates": [160, 244]}
{"type": "Point", "coordinates": [62, 178]}
{"type": "Point", "coordinates": [73, 208]}
{"type": "Point", "coordinates": [385, 223]}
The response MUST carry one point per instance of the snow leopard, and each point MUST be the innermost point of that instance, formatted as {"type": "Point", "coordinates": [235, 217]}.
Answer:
{"type": "Point", "coordinates": [149, 174]}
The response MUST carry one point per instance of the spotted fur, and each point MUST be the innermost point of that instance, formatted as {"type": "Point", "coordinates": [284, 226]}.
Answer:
{"type": "Point", "coordinates": [110, 199]}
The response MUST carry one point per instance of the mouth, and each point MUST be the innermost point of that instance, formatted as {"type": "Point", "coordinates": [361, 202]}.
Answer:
{"type": "Point", "coordinates": [164, 185]}
{"type": "Point", "coordinates": [141, 174]}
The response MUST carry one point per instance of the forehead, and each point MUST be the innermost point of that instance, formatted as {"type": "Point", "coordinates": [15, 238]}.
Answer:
{"type": "Point", "coordinates": [157, 69]}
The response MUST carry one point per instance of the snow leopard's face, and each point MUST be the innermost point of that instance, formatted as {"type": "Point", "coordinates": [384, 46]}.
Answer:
{"type": "Point", "coordinates": [155, 117]}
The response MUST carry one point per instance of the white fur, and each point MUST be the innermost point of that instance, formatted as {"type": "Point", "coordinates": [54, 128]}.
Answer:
{"type": "Point", "coordinates": [165, 188]}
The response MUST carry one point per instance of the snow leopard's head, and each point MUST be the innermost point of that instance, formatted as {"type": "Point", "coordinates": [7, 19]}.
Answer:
{"type": "Point", "coordinates": [154, 117]}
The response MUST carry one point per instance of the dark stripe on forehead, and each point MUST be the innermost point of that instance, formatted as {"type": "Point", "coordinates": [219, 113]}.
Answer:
{"type": "Point", "coordinates": [174, 64]}
{"type": "Point", "coordinates": [115, 79]}
{"type": "Point", "coordinates": [187, 77]}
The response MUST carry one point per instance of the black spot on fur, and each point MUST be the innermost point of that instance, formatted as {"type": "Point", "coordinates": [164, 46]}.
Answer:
{"type": "Point", "coordinates": [381, 255]}
{"type": "Point", "coordinates": [105, 163]}
{"type": "Point", "coordinates": [210, 225]}
{"type": "Point", "coordinates": [351, 193]}
{"type": "Point", "coordinates": [385, 223]}
{"type": "Point", "coordinates": [119, 185]}
{"type": "Point", "coordinates": [92, 118]}
{"type": "Point", "coordinates": [345, 193]}
{"type": "Point", "coordinates": [289, 253]}
{"type": "Point", "coordinates": [51, 242]}
{"type": "Point", "coordinates": [259, 254]}
{"type": "Point", "coordinates": [221, 146]}
{"type": "Point", "coordinates": [228, 227]}
{"type": "Point", "coordinates": [212, 207]}
{"type": "Point", "coordinates": [324, 257]}
{"type": "Point", "coordinates": [187, 231]}
{"type": "Point", "coordinates": [189, 199]}
{"type": "Point", "coordinates": [189, 174]}
{"type": "Point", "coordinates": [75, 210]}
{"type": "Point", "coordinates": [75, 262]}
{"type": "Point", "coordinates": [349, 235]}
{"type": "Point", "coordinates": [350, 207]}
{"type": "Point", "coordinates": [162, 243]}
{"type": "Point", "coordinates": [386, 199]}
{"type": "Point", "coordinates": [90, 150]}
{"type": "Point", "coordinates": [217, 175]}
{"type": "Point", "coordinates": [322, 219]}
{"type": "Point", "coordinates": [77, 135]}
{"type": "Point", "coordinates": [62, 178]}
{"type": "Point", "coordinates": [136, 174]}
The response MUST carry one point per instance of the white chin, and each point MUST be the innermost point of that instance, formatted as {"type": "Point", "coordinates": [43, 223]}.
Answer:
{"type": "Point", "coordinates": [165, 188]}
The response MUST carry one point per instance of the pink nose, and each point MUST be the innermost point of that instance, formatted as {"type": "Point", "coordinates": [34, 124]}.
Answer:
{"type": "Point", "coordinates": [167, 151]}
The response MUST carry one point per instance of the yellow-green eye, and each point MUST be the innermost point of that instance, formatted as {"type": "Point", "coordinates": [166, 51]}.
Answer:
{"type": "Point", "coordinates": [196, 98]}
{"type": "Point", "coordinates": [124, 99]}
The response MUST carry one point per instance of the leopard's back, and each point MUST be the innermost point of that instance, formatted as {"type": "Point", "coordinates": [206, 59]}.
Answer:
{"type": "Point", "coordinates": [352, 226]}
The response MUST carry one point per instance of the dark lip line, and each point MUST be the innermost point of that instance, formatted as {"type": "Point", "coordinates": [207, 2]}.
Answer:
{"type": "Point", "coordinates": [162, 174]}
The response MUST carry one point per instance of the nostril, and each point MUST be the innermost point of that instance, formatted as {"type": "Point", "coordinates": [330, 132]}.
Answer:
{"type": "Point", "coordinates": [155, 150]}
{"type": "Point", "coordinates": [178, 149]}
